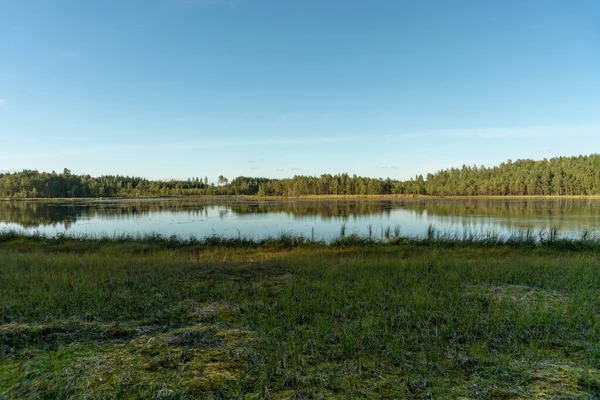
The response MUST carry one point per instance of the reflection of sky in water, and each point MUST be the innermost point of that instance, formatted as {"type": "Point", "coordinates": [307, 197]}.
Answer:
{"type": "Point", "coordinates": [225, 220]}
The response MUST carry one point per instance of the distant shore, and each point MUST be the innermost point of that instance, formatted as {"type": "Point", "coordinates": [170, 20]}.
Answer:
{"type": "Point", "coordinates": [306, 197]}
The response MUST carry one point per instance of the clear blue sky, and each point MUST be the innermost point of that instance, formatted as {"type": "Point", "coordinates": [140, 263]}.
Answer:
{"type": "Point", "coordinates": [178, 88]}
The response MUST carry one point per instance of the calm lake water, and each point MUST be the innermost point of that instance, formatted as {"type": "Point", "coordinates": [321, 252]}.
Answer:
{"type": "Point", "coordinates": [321, 219]}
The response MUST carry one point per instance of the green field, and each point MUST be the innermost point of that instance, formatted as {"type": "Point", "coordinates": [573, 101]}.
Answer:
{"type": "Point", "coordinates": [160, 318]}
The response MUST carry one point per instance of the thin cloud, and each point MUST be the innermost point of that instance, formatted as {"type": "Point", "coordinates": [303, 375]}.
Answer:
{"type": "Point", "coordinates": [174, 146]}
{"type": "Point", "coordinates": [257, 142]}
{"type": "Point", "coordinates": [211, 3]}
{"type": "Point", "coordinates": [72, 152]}
{"type": "Point", "coordinates": [507, 133]}
{"type": "Point", "coordinates": [296, 169]}
{"type": "Point", "coordinates": [267, 142]}
{"type": "Point", "coordinates": [2, 102]}
{"type": "Point", "coordinates": [288, 117]}
{"type": "Point", "coordinates": [532, 132]}
{"type": "Point", "coordinates": [140, 28]}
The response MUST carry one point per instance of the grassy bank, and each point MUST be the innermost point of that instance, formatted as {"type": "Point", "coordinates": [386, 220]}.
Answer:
{"type": "Point", "coordinates": [165, 318]}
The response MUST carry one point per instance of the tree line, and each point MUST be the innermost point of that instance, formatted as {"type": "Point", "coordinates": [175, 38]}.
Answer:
{"type": "Point", "coordinates": [34, 184]}
{"type": "Point", "coordinates": [578, 175]}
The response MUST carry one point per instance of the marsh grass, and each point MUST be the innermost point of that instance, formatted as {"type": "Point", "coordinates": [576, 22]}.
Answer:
{"type": "Point", "coordinates": [441, 316]}
{"type": "Point", "coordinates": [522, 237]}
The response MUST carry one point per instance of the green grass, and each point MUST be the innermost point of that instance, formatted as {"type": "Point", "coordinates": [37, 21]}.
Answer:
{"type": "Point", "coordinates": [165, 318]}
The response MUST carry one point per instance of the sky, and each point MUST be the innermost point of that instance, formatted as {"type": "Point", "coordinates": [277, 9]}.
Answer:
{"type": "Point", "coordinates": [384, 88]}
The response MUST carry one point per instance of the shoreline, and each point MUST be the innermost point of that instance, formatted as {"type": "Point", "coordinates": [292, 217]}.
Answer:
{"type": "Point", "coordinates": [305, 197]}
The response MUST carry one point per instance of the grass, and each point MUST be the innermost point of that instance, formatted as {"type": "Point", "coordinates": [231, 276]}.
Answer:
{"type": "Point", "coordinates": [480, 317]}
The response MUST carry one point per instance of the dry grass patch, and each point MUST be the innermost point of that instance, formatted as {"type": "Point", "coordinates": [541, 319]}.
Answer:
{"type": "Point", "coordinates": [555, 379]}
{"type": "Point", "coordinates": [197, 361]}
{"type": "Point", "coordinates": [524, 295]}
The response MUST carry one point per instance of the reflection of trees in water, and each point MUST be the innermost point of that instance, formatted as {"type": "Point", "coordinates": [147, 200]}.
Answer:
{"type": "Point", "coordinates": [325, 209]}
{"type": "Point", "coordinates": [458, 212]}
{"type": "Point", "coordinates": [514, 208]}
{"type": "Point", "coordinates": [31, 214]}
{"type": "Point", "coordinates": [473, 214]}
{"type": "Point", "coordinates": [34, 214]}
{"type": "Point", "coordinates": [223, 212]}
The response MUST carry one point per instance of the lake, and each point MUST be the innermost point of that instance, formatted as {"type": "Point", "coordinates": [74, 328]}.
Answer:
{"type": "Point", "coordinates": [319, 219]}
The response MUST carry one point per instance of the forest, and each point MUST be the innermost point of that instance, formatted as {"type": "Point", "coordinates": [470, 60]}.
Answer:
{"type": "Point", "coordinates": [570, 176]}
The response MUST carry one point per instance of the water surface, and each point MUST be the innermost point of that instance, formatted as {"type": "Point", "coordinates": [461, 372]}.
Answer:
{"type": "Point", "coordinates": [321, 219]}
